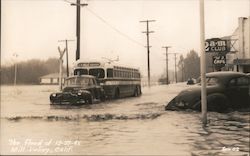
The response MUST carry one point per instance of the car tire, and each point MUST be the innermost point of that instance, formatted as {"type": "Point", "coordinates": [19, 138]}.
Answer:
{"type": "Point", "coordinates": [103, 96]}
{"type": "Point", "coordinates": [89, 99]}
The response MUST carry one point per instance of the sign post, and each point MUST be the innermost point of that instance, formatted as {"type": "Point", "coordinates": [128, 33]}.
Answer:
{"type": "Point", "coordinates": [203, 65]}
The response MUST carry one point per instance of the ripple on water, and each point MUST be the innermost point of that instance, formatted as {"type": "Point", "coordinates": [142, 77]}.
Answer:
{"type": "Point", "coordinates": [93, 117]}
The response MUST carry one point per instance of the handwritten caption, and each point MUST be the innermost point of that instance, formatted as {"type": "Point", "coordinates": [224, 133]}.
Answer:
{"type": "Point", "coordinates": [43, 146]}
{"type": "Point", "coordinates": [234, 149]}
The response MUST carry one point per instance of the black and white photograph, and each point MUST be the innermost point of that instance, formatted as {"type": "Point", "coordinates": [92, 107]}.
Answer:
{"type": "Point", "coordinates": [125, 77]}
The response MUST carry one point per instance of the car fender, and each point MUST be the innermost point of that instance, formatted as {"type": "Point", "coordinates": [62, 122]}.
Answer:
{"type": "Point", "coordinates": [85, 93]}
{"type": "Point", "coordinates": [217, 102]}
{"type": "Point", "coordinates": [217, 95]}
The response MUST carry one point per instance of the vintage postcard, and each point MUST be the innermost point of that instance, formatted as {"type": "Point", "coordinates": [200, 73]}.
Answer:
{"type": "Point", "coordinates": [125, 77]}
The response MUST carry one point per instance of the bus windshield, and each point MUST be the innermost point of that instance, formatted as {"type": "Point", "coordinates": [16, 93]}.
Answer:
{"type": "Point", "coordinates": [97, 72]}
{"type": "Point", "coordinates": [80, 72]}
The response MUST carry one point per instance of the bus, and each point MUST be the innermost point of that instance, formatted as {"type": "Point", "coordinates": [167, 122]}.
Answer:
{"type": "Point", "coordinates": [117, 81]}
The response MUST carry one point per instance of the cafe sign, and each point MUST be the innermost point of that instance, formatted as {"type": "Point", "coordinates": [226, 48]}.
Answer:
{"type": "Point", "coordinates": [219, 60]}
{"type": "Point", "coordinates": [216, 45]}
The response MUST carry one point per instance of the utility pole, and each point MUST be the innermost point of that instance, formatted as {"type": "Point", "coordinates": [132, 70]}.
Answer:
{"type": "Point", "coordinates": [166, 47]}
{"type": "Point", "coordinates": [15, 66]}
{"type": "Point", "coordinates": [203, 65]}
{"type": "Point", "coordinates": [175, 71]}
{"type": "Point", "coordinates": [67, 54]}
{"type": "Point", "coordinates": [148, 52]}
{"type": "Point", "coordinates": [182, 69]}
{"type": "Point", "coordinates": [61, 52]}
{"type": "Point", "coordinates": [78, 26]}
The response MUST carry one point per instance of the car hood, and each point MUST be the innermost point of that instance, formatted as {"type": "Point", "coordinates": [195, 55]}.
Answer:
{"type": "Point", "coordinates": [188, 97]}
{"type": "Point", "coordinates": [196, 90]}
{"type": "Point", "coordinates": [73, 88]}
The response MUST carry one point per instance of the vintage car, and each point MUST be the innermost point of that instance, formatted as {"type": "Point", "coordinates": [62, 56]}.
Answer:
{"type": "Point", "coordinates": [225, 91]}
{"type": "Point", "coordinates": [79, 90]}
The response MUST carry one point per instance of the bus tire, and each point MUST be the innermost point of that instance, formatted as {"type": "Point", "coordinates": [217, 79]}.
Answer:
{"type": "Point", "coordinates": [136, 92]}
{"type": "Point", "coordinates": [117, 93]}
{"type": "Point", "coordinates": [139, 87]}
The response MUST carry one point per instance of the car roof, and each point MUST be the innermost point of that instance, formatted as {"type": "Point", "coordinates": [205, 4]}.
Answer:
{"type": "Point", "coordinates": [81, 76]}
{"type": "Point", "coordinates": [225, 75]}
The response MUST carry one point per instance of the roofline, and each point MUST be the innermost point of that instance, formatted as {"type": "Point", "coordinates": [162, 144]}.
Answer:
{"type": "Point", "coordinates": [112, 64]}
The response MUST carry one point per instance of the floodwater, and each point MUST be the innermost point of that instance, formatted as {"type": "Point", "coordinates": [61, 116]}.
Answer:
{"type": "Point", "coordinates": [129, 126]}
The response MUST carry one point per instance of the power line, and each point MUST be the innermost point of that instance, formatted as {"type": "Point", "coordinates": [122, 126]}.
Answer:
{"type": "Point", "coordinates": [111, 26]}
{"type": "Point", "coordinates": [67, 1]}
{"type": "Point", "coordinates": [114, 28]}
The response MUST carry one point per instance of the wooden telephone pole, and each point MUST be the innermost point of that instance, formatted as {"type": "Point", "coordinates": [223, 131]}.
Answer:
{"type": "Point", "coordinates": [61, 52]}
{"type": "Point", "coordinates": [67, 54]}
{"type": "Point", "coordinates": [175, 70]}
{"type": "Point", "coordinates": [148, 52]}
{"type": "Point", "coordinates": [78, 26]}
{"type": "Point", "coordinates": [166, 47]}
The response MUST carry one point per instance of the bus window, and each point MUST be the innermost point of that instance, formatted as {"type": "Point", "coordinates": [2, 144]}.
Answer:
{"type": "Point", "coordinates": [97, 72]}
{"type": "Point", "coordinates": [81, 72]}
{"type": "Point", "coordinates": [109, 73]}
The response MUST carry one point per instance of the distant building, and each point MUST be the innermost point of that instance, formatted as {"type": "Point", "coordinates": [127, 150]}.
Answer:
{"type": "Point", "coordinates": [51, 79]}
{"type": "Point", "coordinates": [237, 57]}
{"type": "Point", "coordinates": [240, 59]}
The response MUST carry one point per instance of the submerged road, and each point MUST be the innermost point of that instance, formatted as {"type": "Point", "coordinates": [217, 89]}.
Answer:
{"type": "Point", "coordinates": [129, 126]}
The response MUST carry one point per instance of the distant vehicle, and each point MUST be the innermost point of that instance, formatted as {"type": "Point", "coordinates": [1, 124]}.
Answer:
{"type": "Point", "coordinates": [225, 91]}
{"type": "Point", "coordinates": [117, 81]}
{"type": "Point", "coordinates": [79, 90]}
{"type": "Point", "coordinates": [190, 81]}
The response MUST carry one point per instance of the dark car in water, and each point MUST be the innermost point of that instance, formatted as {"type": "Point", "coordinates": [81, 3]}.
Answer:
{"type": "Point", "coordinates": [79, 90]}
{"type": "Point", "coordinates": [225, 91]}
{"type": "Point", "coordinates": [190, 81]}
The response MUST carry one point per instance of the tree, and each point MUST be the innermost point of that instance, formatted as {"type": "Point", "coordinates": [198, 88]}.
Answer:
{"type": "Point", "coordinates": [29, 72]}
{"type": "Point", "coordinates": [181, 69]}
{"type": "Point", "coordinates": [192, 65]}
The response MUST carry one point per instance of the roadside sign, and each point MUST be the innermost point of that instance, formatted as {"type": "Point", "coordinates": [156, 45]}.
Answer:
{"type": "Point", "coordinates": [219, 60]}
{"type": "Point", "coordinates": [216, 45]}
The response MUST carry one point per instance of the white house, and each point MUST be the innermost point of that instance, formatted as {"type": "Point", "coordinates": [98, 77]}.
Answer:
{"type": "Point", "coordinates": [51, 79]}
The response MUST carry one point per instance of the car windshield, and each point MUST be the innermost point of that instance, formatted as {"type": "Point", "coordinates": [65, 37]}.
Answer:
{"type": "Point", "coordinates": [210, 81]}
{"type": "Point", "coordinates": [78, 81]}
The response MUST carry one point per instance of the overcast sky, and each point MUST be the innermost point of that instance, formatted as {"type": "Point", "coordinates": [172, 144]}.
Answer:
{"type": "Point", "coordinates": [111, 28]}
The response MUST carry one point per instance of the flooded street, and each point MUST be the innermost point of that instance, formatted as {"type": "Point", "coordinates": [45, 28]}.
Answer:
{"type": "Point", "coordinates": [129, 126]}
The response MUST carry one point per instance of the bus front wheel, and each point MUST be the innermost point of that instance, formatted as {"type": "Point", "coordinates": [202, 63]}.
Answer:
{"type": "Point", "coordinates": [117, 93]}
{"type": "Point", "coordinates": [137, 91]}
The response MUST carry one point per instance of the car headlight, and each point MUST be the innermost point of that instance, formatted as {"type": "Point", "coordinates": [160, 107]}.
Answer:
{"type": "Point", "coordinates": [54, 94]}
{"type": "Point", "coordinates": [79, 93]}
{"type": "Point", "coordinates": [181, 104]}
